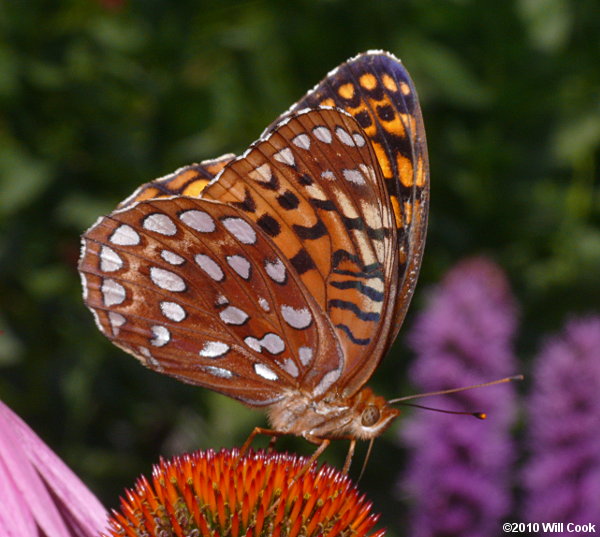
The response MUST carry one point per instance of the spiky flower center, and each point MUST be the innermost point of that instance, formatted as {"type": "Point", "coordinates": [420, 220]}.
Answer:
{"type": "Point", "coordinates": [257, 494]}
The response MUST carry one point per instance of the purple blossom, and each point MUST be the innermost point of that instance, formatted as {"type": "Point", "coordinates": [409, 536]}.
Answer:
{"type": "Point", "coordinates": [562, 477]}
{"type": "Point", "coordinates": [457, 481]}
{"type": "Point", "coordinates": [39, 495]}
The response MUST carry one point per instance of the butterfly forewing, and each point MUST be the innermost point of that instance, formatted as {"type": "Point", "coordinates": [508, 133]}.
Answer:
{"type": "Point", "coordinates": [378, 92]}
{"type": "Point", "coordinates": [192, 289]}
{"type": "Point", "coordinates": [187, 181]}
{"type": "Point", "coordinates": [314, 186]}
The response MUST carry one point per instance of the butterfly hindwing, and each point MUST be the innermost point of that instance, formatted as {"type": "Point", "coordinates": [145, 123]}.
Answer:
{"type": "Point", "coordinates": [193, 290]}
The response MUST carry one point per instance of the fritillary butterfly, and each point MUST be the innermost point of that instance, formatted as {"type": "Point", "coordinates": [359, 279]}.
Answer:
{"type": "Point", "coordinates": [281, 277]}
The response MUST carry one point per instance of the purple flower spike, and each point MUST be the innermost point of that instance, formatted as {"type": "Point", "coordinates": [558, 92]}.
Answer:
{"type": "Point", "coordinates": [562, 478]}
{"type": "Point", "coordinates": [39, 495]}
{"type": "Point", "coordinates": [457, 481]}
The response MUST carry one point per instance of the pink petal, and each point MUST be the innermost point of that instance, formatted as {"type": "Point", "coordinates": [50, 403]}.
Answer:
{"type": "Point", "coordinates": [44, 485]}
{"type": "Point", "coordinates": [16, 519]}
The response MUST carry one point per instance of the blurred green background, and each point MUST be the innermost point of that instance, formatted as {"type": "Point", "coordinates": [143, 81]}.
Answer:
{"type": "Point", "coordinates": [99, 96]}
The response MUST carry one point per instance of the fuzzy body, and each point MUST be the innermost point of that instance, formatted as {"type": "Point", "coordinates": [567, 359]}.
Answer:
{"type": "Point", "coordinates": [363, 416]}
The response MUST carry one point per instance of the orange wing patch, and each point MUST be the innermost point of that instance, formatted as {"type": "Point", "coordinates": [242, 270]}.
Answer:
{"type": "Point", "coordinates": [346, 91]}
{"type": "Point", "coordinates": [389, 83]}
{"type": "Point", "coordinates": [368, 81]}
{"type": "Point", "coordinates": [405, 169]}
{"type": "Point", "coordinates": [187, 181]}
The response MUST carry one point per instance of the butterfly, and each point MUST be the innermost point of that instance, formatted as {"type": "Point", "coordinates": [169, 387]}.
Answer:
{"type": "Point", "coordinates": [282, 276]}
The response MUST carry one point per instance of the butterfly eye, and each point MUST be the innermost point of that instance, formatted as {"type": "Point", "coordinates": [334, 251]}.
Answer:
{"type": "Point", "coordinates": [370, 416]}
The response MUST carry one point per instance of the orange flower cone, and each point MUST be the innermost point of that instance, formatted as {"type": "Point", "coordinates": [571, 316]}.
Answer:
{"type": "Point", "coordinates": [259, 494]}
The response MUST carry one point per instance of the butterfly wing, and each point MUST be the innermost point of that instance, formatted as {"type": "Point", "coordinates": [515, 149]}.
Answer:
{"type": "Point", "coordinates": [378, 92]}
{"type": "Point", "coordinates": [292, 296]}
{"type": "Point", "coordinates": [313, 185]}
{"type": "Point", "coordinates": [193, 289]}
{"type": "Point", "coordinates": [186, 181]}
{"type": "Point", "coordinates": [337, 203]}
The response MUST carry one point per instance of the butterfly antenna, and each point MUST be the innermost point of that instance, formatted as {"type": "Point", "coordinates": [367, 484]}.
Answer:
{"type": "Point", "coordinates": [478, 415]}
{"type": "Point", "coordinates": [367, 456]}
{"type": "Point", "coordinates": [456, 390]}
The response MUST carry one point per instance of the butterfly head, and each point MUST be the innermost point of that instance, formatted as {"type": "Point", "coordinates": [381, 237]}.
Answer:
{"type": "Point", "coordinates": [372, 414]}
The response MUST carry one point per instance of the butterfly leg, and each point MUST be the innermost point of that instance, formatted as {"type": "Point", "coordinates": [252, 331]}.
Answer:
{"type": "Point", "coordinates": [260, 430]}
{"type": "Point", "coordinates": [323, 443]}
{"type": "Point", "coordinates": [349, 456]}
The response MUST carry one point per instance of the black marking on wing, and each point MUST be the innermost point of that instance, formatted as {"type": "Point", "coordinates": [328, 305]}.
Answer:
{"type": "Point", "coordinates": [354, 223]}
{"type": "Point", "coordinates": [373, 294]}
{"type": "Point", "coordinates": [311, 232]}
{"type": "Point", "coordinates": [271, 184]}
{"type": "Point", "coordinates": [305, 180]}
{"type": "Point", "coordinates": [165, 189]}
{"type": "Point", "coordinates": [386, 112]}
{"type": "Point", "coordinates": [358, 224]}
{"type": "Point", "coordinates": [364, 119]}
{"type": "Point", "coordinates": [374, 270]}
{"type": "Point", "coordinates": [351, 306]}
{"type": "Point", "coordinates": [355, 340]}
{"type": "Point", "coordinates": [302, 262]}
{"type": "Point", "coordinates": [269, 225]}
{"type": "Point", "coordinates": [343, 255]}
{"type": "Point", "coordinates": [288, 200]}
{"type": "Point", "coordinates": [248, 204]}
{"type": "Point", "coordinates": [360, 274]}
{"type": "Point", "coordinates": [325, 205]}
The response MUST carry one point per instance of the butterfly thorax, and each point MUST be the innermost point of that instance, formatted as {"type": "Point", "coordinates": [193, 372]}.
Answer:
{"type": "Point", "coordinates": [363, 416]}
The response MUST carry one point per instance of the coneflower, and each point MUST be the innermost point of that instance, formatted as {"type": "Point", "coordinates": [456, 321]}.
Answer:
{"type": "Point", "coordinates": [255, 495]}
{"type": "Point", "coordinates": [457, 482]}
{"type": "Point", "coordinates": [562, 477]}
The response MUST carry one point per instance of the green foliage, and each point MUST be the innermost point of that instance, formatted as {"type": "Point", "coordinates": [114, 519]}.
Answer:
{"type": "Point", "coordinates": [97, 97]}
